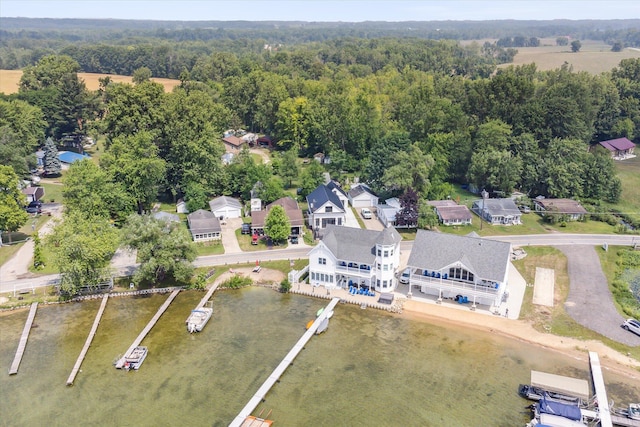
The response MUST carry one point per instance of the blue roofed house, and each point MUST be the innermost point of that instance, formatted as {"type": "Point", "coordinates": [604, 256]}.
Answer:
{"type": "Point", "coordinates": [325, 208]}
{"type": "Point", "coordinates": [348, 256]}
{"type": "Point", "coordinates": [338, 191]}
{"type": "Point", "coordinates": [464, 268]}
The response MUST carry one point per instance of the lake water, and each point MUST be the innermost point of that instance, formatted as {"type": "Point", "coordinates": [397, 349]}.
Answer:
{"type": "Point", "coordinates": [369, 368]}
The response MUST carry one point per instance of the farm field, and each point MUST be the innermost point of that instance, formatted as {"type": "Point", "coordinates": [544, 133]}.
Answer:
{"type": "Point", "coordinates": [9, 80]}
{"type": "Point", "coordinates": [594, 57]}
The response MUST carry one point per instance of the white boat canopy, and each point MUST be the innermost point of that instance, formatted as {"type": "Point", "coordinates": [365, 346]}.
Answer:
{"type": "Point", "coordinates": [560, 384]}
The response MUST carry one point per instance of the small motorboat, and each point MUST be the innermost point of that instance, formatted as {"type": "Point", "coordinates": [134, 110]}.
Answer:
{"type": "Point", "coordinates": [330, 314]}
{"type": "Point", "coordinates": [632, 411]}
{"type": "Point", "coordinates": [133, 360]}
{"type": "Point", "coordinates": [198, 319]}
{"type": "Point", "coordinates": [536, 393]}
{"type": "Point", "coordinates": [319, 312]}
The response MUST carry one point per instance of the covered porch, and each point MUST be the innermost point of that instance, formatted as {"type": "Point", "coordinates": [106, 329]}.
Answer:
{"type": "Point", "coordinates": [479, 292]}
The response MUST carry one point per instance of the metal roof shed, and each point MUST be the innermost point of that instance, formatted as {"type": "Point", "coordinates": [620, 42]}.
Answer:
{"type": "Point", "coordinates": [560, 384]}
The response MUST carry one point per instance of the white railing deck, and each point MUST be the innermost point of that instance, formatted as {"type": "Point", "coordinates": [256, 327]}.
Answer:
{"type": "Point", "coordinates": [355, 270]}
{"type": "Point", "coordinates": [452, 285]}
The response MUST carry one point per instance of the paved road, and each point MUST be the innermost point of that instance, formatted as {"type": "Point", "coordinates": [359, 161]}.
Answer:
{"type": "Point", "coordinates": [590, 302]}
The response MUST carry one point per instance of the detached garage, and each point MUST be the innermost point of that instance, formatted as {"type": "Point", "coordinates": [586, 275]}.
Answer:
{"type": "Point", "coordinates": [224, 207]}
{"type": "Point", "coordinates": [361, 196]}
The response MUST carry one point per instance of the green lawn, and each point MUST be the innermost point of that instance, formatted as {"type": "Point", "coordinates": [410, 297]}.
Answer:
{"type": "Point", "coordinates": [360, 222]}
{"type": "Point", "coordinates": [209, 248]}
{"type": "Point", "coordinates": [244, 240]}
{"type": "Point", "coordinates": [52, 190]}
{"type": "Point", "coordinates": [629, 174]}
{"type": "Point", "coordinates": [7, 251]}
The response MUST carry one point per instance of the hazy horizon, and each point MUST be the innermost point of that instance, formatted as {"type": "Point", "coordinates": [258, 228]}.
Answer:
{"type": "Point", "coordinates": [321, 11]}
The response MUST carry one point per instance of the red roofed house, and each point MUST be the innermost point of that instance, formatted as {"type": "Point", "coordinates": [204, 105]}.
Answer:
{"type": "Point", "coordinates": [620, 148]}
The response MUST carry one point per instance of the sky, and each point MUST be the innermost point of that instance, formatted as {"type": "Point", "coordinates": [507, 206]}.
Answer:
{"type": "Point", "coordinates": [327, 10]}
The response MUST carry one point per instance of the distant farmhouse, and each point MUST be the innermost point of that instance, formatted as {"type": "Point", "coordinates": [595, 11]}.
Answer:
{"type": "Point", "coordinates": [620, 148]}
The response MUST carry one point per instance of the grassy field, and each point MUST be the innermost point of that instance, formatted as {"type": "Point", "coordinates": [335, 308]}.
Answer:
{"type": "Point", "coordinates": [9, 80]}
{"type": "Point", "coordinates": [594, 57]}
{"type": "Point", "coordinates": [629, 174]}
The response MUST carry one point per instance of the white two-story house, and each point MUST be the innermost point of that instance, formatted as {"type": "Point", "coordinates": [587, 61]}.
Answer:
{"type": "Point", "coordinates": [325, 208]}
{"type": "Point", "coordinates": [462, 268]}
{"type": "Point", "coordinates": [348, 256]}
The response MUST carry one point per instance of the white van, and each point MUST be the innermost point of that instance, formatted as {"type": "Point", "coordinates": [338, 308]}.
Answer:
{"type": "Point", "coordinates": [366, 213]}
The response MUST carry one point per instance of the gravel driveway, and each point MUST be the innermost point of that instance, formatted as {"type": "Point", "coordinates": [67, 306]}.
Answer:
{"type": "Point", "coordinates": [590, 302]}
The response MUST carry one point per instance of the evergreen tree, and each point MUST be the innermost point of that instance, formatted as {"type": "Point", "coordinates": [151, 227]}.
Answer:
{"type": "Point", "coordinates": [51, 162]}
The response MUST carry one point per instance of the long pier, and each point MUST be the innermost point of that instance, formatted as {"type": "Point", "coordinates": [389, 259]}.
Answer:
{"type": "Point", "coordinates": [604, 410]}
{"type": "Point", "coordinates": [23, 339]}
{"type": "Point", "coordinates": [87, 343]}
{"type": "Point", "coordinates": [277, 373]}
{"type": "Point", "coordinates": [150, 325]}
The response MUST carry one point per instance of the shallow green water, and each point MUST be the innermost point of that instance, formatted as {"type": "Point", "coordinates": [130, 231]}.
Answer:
{"type": "Point", "coordinates": [369, 368]}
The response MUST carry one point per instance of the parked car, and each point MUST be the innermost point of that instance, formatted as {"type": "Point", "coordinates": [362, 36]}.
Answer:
{"type": "Point", "coordinates": [33, 209]}
{"type": "Point", "coordinates": [404, 277]}
{"type": "Point", "coordinates": [632, 325]}
{"type": "Point", "coordinates": [366, 213]}
{"type": "Point", "coordinates": [294, 239]}
{"type": "Point", "coordinates": [524, 209]}
{"type": "Point", "coordinates": [35, 204]}
{"type": "Point", "coordinates": [246, 228]}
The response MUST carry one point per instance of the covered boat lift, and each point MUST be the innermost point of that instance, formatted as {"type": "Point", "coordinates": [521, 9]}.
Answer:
{"type": "Point", "coordinates": [560, 384]}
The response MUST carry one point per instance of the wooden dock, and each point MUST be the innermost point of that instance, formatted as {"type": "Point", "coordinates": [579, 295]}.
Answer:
{"type": "Point", "coordinates": [604, 410]}
{"type": "Point", "coordinates": [624, 421]}
{"type": "Point", "coordinates": [277, 373]}
{"type": "Point", "coordinates": [87, 344]}
{"type": "Point", "coordinates": [150, 325]}
{"type": "Point", "coordinates": [23, 339]}
{"type": "Point", "coordinates": [206, 298]}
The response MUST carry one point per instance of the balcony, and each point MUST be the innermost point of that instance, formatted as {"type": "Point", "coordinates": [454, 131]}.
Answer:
{"type": "Point", "coordinates": [358, 270]}
{"type": "Point", "coordinates": [463, 288]}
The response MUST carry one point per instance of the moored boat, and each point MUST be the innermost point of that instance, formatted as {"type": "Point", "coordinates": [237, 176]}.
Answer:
{"type": "Point", "coordinates": [309, 323]}
{"type": "Point", "coordinates": [323, 326]}
{"type": "Point", "coordinates": [632, 411]}
{"type": "Point", "coordinates": [536, 393]}
{"type": "Point", "coordinates": [133, 360]}
{"type": "Point", "coordinates": [198, 319]}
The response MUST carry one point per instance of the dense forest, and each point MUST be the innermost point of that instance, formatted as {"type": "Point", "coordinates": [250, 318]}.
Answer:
{"type": "Point", "coordinates": [398, 112]}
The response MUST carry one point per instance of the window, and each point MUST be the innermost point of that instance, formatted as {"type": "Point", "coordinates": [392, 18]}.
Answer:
{"type": "Point", "coordinates": [378, 283]}
{"type": "Point", "coordinates": [385, 267]}
{"type": "Point", "coordinates": [379, 252]}
{"type": "Point", "coordinates": [384, 284]}
{"type": "Point", "coordinates": [386, 254]}
{"type": "Point", "coordinates": [317, 222]}
{"type": "Point", "coordinates": [322, 261]}
{"type": "Point", "coordinates": [339, 221]}
{"type": "Point", "coordinates": [328, 209]}
{"type": "Point", "coordinates": [313, 275]}
{"type": "Point", "coordinates": [378, 266]}
{"type": "Point", "coordinates": [391, 252]}
{"type": "Point", "coordinates": [331, 278]}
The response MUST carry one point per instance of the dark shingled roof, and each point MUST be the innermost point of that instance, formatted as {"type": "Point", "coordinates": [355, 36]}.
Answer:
{"type": "Point", "coordinates": [487, 259]}
{"type": "Point", "coordinates": [202, 221]}
{"type": "Point", "coordinates": [291, 209]}
{"type": "Point", "coordinates": [358, 190]}
{"type": "Point", "coordinates": [563, 206]}
{"type": "Point", "coordinates": [322, 195]}
{"type": "Point", "coordinates": [451, 213]}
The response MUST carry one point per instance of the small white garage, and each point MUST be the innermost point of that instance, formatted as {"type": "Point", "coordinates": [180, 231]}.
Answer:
{"type": "Point", "coordinates": [361, 196]}
{"type": "Point", "coordinates": [224, 207]}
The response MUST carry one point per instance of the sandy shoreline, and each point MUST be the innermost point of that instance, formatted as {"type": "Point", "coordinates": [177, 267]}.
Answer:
{"type": "Point", "coordinates": [523, 331]}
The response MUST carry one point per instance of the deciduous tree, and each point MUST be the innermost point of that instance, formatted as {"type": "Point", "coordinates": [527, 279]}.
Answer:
{"type": "Point", "coordinates": [82, 250]}
{"type": "Point", "coordinates": [164, 249]}
{"type": "Point", "coordinates": [12, 213]}
{"type": "Point", "coordinates": [277, 225]}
